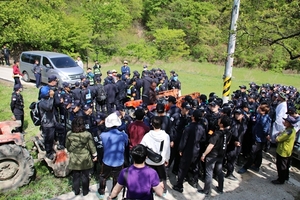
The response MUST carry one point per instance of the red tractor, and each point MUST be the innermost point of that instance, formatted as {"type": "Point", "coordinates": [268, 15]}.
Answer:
{"type": "Point", "coordinates": [16, 164]}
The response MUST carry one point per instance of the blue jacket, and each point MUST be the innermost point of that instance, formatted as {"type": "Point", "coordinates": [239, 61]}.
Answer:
{"type": "Point", "coordinates": [261, 128]}
{"type": "Point", "coordinates": [114, 142]}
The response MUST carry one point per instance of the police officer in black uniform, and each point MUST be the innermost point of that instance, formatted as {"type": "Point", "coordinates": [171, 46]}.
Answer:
{"type": "Point", "coordinates": [17, 106]}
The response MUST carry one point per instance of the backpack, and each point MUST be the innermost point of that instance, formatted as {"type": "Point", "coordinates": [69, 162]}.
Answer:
{"type": "Point", "coordinates": [35, 113]}
{"type": "Point", "coordinates": [101, 94]}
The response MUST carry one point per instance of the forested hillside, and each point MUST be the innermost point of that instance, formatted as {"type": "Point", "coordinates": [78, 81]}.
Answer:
{"type": "Point", "coordinates": [149, 30]}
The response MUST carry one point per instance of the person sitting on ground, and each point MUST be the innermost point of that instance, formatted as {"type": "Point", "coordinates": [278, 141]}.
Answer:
{"type": "Point", "coordinates": [139, 179]}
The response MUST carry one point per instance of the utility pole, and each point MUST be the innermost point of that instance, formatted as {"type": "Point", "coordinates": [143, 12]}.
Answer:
{"type": "Point", "coordinates": [230, 51]}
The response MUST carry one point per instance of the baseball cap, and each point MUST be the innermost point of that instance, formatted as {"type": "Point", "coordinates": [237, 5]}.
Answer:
{"type": "Point", "coordinates": [186, 105]}
{"type": "Point", "coordinates": [44, 92]}
{"type": "Point", "coordinates": [125, 61]}
{"type": "Point", "coordinates": [282, 95]}
{"type": "Point", "coordinates": [17, 87]}
{"type": "Point", "coordinates": [82, 76]}
{"type": "Point", "coordinates": [109, 72]}
{"type": "Point", "coordinates": [114, 71]}
{"type": "Point", "coordinates": [239, 111]}
{"type": "Point", "coordinates": [226, 110]}
{"type": "Point", "coordinates": [75, 103]}
{"type": "Point", "coordinates": [291, 120]}
{"type": "Point", "coordinates": [52, 78]}
{"type": "Point", "coordinates": [112, 120]}
{"type": "Point", "coordinates": [213, 103]}
{"type": "Point", "coordinates": [67, 100]}
{"type": "Point", "coordinates": [100, 117]}
{"type": "Point", "coordinates": [85, 83]}
{"type": "Point", "coordinates": [65, 84]}
{"type": "Point", "coordinates": [77, 83]}
{"type": "Point", "coordinates": [242, 86]}
{"type": "Point", "coordinates": [86, 107]}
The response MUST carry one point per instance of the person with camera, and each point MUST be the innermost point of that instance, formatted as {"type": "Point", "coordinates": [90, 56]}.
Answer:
{"type": "Point", "coordinates": [139, 179]}
{"type": "Point", "coordinates": [48, 120]}
{"type": "Point", "coordinates": [159, 141]}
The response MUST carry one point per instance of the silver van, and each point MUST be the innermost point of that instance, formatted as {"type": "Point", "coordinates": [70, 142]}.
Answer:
{"type": "Point", "coordinates": [58, 64]}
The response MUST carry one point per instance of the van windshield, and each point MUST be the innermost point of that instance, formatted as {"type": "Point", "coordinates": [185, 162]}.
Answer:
{"type": "Point", "coordinates": [63, 62]}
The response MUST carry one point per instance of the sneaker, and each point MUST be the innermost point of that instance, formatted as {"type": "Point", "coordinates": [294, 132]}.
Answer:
{"type": "Point", "coordinates": [231, 177]}
{"type": "Point", "coordinates": [192, 183]}
{"type": "Point", "coordinates": [165, 193]}
{"type": "Point", "coordinates": [177, 188]}
{"type": "Point", "coordinates": [100, 196]}
{"type": "Point", "coordinates": [277, 182]}
{"type": "Point", "coordinates": [50, 156]}
{"type": "Point", "coordinates": [219, 191]}
{"type": "Point", "coordinates": [60, 147]}
{"type": "Point", "coordinates": [242, 171]}
{"type": "Point", "coordinates": [175, 172]}
{"type": "Point", "coordinates": [253, 168]}
{"type": "Point", "coordinates": [203, 192]}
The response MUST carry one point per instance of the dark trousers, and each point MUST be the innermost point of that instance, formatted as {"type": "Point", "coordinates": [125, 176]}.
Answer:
{"type": "Point", "coordinates": [7, 60]}
{"type": "Point", "coordinates": [211, 164]}
{"type": "Point", "coordinates": [162, 173]}
{"type": "Point", "coordinates": [106, 172]}
{"type": "Point", "coordinates": [83, 176]}
{"type": "Point", "coordinates": [37, 80]}
{"type": "Point", "coordinates": [17, 80]}
{"type": "Point", "coordinates": [101, 106]}
{"type": "Point", "coordinates": [255, 155]}
{"type": "Point", "coordinates": [146, 100]}
{"type": "Point", "coordinates": [49, 133]}
{"type": "Point", "coordinates": [183, 171]}
{"type": "Point", "coordinates": [21, 118]}
{"type": "Point", "coordinates": [231, 158]}
{"type": "Point", "coordinates": [282, 164]}
{"type": "Point", "coordinates": [110, 107]}
{"type": "Point", "coordinates": [174, 156]}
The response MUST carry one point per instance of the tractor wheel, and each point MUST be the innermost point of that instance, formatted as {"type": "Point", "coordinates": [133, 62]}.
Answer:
{"type": "Point", "coordinates": [16, 167]}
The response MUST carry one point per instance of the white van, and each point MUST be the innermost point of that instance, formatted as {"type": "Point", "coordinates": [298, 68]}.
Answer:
{"type": "Point", "coordinates": [58, 64]}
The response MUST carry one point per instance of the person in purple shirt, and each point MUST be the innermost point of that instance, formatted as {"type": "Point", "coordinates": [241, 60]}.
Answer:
{"type": "Point", "coordinates": [114, 142]}
{"type": "Point", "coordinates": [139, 179]}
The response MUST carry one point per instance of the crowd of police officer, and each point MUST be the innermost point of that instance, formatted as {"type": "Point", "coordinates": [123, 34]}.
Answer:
{"type": "Point", "coordinates": [94, 101]}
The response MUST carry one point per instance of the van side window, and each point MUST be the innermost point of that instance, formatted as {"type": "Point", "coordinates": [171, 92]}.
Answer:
{"type": "Point", "coordinates": [25, 57]}
{"type": "Point", "coordinates": [33, 58]}
{"type": "Point", "coordinates": [46, 61]}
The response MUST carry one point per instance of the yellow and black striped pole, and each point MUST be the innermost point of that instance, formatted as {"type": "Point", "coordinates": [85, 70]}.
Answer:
{"type": "Point", "coordinates": [230, 51]}
{"type": "Point", "coordinates": [226, 86]}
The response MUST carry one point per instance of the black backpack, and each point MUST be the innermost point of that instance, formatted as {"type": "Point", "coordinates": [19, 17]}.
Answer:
{"type": "Point", "coordinates": [35, 113]}
{"type": "Point", "coordinates": [101, 94]}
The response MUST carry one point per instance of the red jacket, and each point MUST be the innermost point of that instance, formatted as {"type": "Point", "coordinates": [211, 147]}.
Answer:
{"type": "Point", "coordinates": [136, 132]}
{"type": "Point", "coordinates": [16, 70]}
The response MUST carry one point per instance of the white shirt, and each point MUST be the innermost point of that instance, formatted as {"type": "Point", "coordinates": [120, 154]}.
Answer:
{"type": "Point", "coordinates": [80, 63]}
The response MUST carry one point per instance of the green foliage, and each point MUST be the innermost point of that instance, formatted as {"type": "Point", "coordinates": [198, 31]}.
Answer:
{"type": "Point", "coordinates": [170, 44]}
{"type": "Point", "coordinates": [141, 51]}
{"type": "Point", "coordinates": [268, 32]}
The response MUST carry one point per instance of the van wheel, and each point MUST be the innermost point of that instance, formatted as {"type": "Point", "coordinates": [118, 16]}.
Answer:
{"type": "Point", "coordinates": [26, 77]}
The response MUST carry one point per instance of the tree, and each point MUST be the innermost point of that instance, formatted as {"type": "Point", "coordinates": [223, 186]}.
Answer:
{"type": "Point", "coordinates": [170, 43]}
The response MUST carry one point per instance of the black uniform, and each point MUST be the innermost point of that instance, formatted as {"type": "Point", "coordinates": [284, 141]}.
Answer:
{"type": "Point", "coordinates": [193, 135]}
{"type": "Point", "coordinates": [17, 108]}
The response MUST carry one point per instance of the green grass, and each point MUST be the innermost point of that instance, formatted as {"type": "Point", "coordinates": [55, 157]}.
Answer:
{"type": "Point", "coordinates": [195, 77]}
